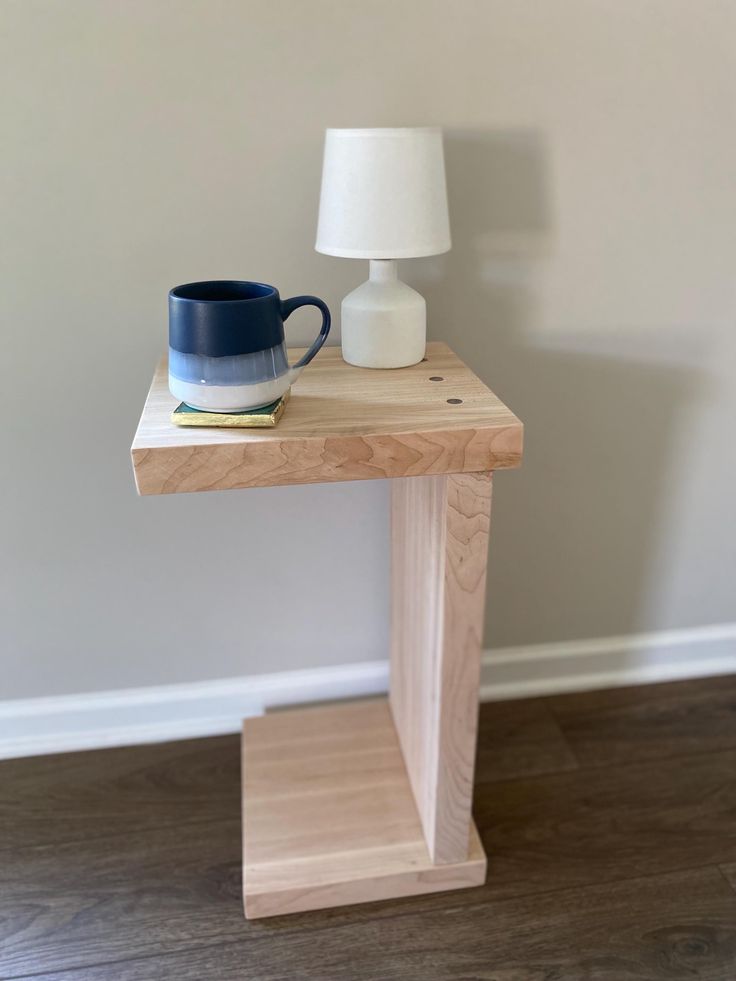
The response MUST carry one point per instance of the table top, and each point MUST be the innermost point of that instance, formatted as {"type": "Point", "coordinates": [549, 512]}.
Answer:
{"type": "Point", "coordinates": [341, 423]}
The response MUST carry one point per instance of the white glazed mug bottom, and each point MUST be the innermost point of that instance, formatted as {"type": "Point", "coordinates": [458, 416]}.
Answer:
{"type": "Point", "coordinates": [230, 398]}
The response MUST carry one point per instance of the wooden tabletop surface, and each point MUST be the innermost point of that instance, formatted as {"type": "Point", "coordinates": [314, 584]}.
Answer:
{"type": "Point", "coordinates": [341, 423]}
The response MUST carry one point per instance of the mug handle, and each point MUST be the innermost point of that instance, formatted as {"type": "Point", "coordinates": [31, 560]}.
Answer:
{"type": "Point", "coordinates": [288, 307]}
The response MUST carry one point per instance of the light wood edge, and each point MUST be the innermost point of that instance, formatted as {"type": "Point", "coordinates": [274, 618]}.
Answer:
{"type": "Point", "coordinates": [171, 470]}
{"type": "Point", "coordinates": [413, 882]}
{"type": "Point", "coordinates": [439, 538]}
{"type": "Point", "coordinates": [468, 528]}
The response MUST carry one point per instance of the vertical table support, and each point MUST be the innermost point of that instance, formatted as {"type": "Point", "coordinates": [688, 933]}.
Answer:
{"type": "Point", "coordinates": [439, 536]}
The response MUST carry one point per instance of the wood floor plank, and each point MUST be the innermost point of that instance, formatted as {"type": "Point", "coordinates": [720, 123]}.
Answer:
{"type": "Point", "coordinates": [595, 825]}
{"type": "Point", "coordinates": [110, 885]}
{"type": "Point", "coordinates": [77, 796]}
{"type": "Point", "coordinates": [729, 871]}
{"type": "Point", "coordinates": [109, 898]}
{"type": "Point", "coordinates": [128, 861]}
{"type": "Point", "coordinates": [148, 893]}
{"type": "Point", "coordinates": [520, 739]}
{"type": "Point", "coordinates": [166, 890]}
{"type": "Point", "coordinates": [650, 721]}
{"type": "Point", "coordinates": [676, 926]}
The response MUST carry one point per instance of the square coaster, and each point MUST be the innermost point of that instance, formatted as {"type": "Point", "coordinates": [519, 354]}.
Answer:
{"type": "Point", "coordinates": [268, 415]}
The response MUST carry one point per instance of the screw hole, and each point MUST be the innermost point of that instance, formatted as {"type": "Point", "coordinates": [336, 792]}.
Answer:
{"type": "Point", "coordinates": [455, 401]}
{"type": "Point", "coordinates": [436, 378]}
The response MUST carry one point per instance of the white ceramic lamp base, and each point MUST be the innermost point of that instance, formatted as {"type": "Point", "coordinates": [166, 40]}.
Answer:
{"type": "Point", "coordinates": [384, 321]}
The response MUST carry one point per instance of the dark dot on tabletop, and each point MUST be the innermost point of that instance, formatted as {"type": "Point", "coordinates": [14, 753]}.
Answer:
{"type": "Point", "coordinates": [455, 401]}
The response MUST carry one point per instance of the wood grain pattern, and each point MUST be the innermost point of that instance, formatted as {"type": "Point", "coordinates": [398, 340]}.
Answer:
{"type": "Point", "coordinates": [599, 874]}
{"type": "Point", "coordinates": [520, 739]}
{"type": "Point", "coordinates": [113, 897]}
{"type": "Point", "coordinates": [329, 817]}
{"type": "Point", "coordinates": [342, 423]}
{"type": "Point", "coordinates": [675, 927]}
{"type": "Point", "coordinates": [729, 873]}
{"type": "Point", "coordinates": [79, 796]}
{"type": "Point", "coordinates": [649, 722]}
{"type": "Point", "coordinates": [600, 824]}
{"type": "Point", "coordinates": [439, 541]}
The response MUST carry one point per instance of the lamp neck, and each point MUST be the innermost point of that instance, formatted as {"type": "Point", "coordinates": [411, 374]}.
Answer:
{"type": "Point", "coordinates": [384, 270]}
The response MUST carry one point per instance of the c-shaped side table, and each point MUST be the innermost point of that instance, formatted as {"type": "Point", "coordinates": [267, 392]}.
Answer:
{"type": "Point", "coordinates": [370, 799]}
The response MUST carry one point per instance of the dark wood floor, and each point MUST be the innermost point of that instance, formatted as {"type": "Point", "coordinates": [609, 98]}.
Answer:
{"type": "Point", "coordinates": [609, 819]}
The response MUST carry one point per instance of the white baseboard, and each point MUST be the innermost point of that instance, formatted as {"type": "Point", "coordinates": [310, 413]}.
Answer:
{"type": "Point", "coordinates": [56, 724]}
{"type": "Point", "coordinates": [127, 717]}
{"type": "Point", "coordinates": [608, 662]}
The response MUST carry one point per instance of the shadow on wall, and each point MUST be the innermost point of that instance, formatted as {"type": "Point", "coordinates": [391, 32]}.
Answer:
{"type": "Point", "coordinates": [574, 548]}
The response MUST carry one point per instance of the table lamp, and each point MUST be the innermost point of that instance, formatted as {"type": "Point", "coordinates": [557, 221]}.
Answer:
{"type": "Point", "coordinates": [383, 198]}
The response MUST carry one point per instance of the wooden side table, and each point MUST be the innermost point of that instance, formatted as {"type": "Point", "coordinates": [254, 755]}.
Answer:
{"type": "Point", "coordinates": [370, 799]}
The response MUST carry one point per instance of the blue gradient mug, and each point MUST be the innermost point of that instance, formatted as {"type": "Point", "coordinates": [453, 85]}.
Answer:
{"type": "Point", "coordinates": [226, 344]}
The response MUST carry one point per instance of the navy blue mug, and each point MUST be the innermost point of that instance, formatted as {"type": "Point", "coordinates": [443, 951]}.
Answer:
{"type": "Point", "coordinates": [226, 344]}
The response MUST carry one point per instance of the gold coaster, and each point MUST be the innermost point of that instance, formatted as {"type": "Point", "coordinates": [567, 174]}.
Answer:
{"type": "Point", "coordinates": [268, 415]}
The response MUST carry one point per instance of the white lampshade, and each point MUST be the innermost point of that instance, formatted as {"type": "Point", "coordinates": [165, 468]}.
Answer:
{"type": "Point", "coordinates": [383, 194]}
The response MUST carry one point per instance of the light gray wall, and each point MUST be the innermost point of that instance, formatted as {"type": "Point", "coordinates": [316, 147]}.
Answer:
{"type": "Point", "coordinates": [591, 158]}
